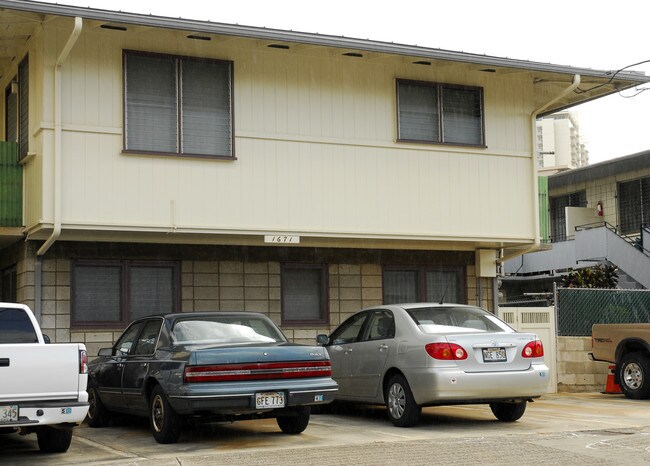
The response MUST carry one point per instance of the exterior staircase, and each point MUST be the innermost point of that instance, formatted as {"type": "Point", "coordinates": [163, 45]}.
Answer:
{"type": "Point", "coordinates": [591, 245]}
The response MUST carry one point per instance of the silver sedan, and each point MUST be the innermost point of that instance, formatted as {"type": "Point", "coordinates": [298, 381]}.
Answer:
{"type": "Point", "coordinates": [412, 355]}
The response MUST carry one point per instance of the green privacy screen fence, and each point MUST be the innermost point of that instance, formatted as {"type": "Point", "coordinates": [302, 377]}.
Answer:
{"type": "Point", "coordinates": [579, 308]}
{"type": "Point", "coordinates": [11, 186]}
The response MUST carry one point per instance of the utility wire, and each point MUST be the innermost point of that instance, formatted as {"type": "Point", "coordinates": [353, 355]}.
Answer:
{"type": "Point", "coordinates": [609, 81]}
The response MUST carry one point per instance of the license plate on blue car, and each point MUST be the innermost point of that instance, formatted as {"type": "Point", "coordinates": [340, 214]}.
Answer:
{"type": "Point", "coordinates": [269, 400]}
{"type": "Point", "coordinates": [494, 354]}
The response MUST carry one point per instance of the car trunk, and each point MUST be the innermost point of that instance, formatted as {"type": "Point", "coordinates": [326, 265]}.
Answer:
{"type": "Point", "coordinates": [492, 352]}
{"type": "Point", "coordinates": [255, 353]}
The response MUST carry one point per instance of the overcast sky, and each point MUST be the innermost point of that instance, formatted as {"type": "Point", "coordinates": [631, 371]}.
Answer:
{"type": "Point", "coordinates": [589, 34]}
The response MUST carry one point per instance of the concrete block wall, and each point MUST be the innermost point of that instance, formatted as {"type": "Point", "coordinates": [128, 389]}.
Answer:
{"type": "Point", "coordinates": [219, 285]}
{"type": "Point", "coordinates": [576, 372]}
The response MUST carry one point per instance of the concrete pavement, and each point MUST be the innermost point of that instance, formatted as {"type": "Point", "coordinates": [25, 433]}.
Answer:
{"type": "Point", "coordinates": [558, 429]}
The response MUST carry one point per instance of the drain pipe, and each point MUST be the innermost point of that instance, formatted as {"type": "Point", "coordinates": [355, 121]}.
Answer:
{"type": "Point", "coordinates": [533, 117]}
{"type": "Point", "coordinates": [56, 232]}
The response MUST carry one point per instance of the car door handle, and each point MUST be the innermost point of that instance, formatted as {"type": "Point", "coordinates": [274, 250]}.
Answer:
{"type": "Point", "coordinates": [144, 364]}
{"type": "Point", "coordinates": [4, 362]}
{"type": "Point", "coordinates": [383, 347]}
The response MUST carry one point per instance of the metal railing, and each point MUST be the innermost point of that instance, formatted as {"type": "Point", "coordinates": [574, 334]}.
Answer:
{"type": "Point", "coordinates": [635, 241]}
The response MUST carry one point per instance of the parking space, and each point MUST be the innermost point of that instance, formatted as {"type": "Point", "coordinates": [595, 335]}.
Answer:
{"type": "Point", "coordinates": [566, 429]}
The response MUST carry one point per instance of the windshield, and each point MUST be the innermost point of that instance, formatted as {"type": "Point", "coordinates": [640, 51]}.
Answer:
{"type": "Point", "coordinates": [225, 330]}
{"type": "Point", "coordinates": [457, 319]}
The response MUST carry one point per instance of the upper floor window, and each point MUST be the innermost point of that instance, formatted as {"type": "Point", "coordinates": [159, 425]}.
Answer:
{"type": "Point", "coordinates": [17, 109]}
{"type": "Point", "coordinates": [558, 212]}
{"type": "Point", "coordinates": [440, 113]}
{"type": "Point", "coordinates": [634, 205]}
{"type": "Point", "coordinates": [177, 105]}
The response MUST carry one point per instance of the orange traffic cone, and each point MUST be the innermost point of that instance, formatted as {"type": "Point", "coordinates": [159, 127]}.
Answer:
{"type": "Point", "coordinates": [612, 387]}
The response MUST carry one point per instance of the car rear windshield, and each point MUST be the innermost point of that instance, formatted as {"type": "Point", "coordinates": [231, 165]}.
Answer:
{"type": "Point", "coordinates": [225, 330]}
{"type": "Point", "coordinates": [16, 327]}
{"type": "Point", "coordinates": [457, 319]}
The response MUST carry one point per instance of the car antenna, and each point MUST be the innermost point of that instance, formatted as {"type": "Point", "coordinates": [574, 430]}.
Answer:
{"type": "Point", "coordinates": [442, 300]}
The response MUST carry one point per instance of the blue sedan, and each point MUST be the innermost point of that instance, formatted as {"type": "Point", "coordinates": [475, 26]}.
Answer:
{"type": "Point", "coordinates": [215, 366]}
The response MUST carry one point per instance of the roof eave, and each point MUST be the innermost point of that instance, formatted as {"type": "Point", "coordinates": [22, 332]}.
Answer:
{"type": "Point", "coordinates": [634, 78]}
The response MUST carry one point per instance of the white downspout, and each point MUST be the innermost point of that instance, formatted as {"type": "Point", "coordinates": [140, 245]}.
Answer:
{"type": "Point", "coordinates": [533, 119]}
{"type": "Point", "coordinates": [78, 24]}
{"type": "Point", "coordinates": [58, 175]}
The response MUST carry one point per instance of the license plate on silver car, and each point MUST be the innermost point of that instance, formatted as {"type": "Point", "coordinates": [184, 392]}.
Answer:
{"type": "Point", "coordinates": [9, 413]}
{"type": "Point", "coordinates": [494, 354]}
{"type": "Point", "coordinates": [269, 400]}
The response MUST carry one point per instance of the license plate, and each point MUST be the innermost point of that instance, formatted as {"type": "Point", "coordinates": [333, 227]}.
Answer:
{"type": "Point", "coordinates": [494, 354]}
{"type": "Point", "coordinates": [9, 413]}
{"type": "Point", "coordinates": [269, 400]}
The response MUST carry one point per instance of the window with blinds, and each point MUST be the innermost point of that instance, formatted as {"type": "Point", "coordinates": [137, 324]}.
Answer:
{"type": "Point", "coordinates": [634, 205]}
{"type": "Point", "coordinates": [112, 293]}
{"type": "Point", "coordinates": [439, 113]}
{"type": "Point", "coordinates": [23, 108]}
{"type": "Point", "coordinates": [11, 112]}
{"type": "Point", "coordinates": [424, 284]}
{"type": "Point", "coordinates": [304, 294]}
{"type": "Point", "coordinates": [177, 105]}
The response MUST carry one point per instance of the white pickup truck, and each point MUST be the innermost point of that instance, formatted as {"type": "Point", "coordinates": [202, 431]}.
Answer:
{"type": "Point", "coordinates": [42, 385]}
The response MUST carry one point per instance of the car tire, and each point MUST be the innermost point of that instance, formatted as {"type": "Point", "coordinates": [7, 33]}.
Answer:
{"type": "Point", "coordinates": [52, 440]}
{"type": "Point", "coordinates": [293, 425]}
{"type": "Point", "coordinates": [402, 409]}
{"type": "Point", "coordinates": [508, 412]}
{"type": "Point", "coordinates": [634, 376]}
{"type": "Point", "coordinates": [166, 424]}
{"type": "Point", "coordinates": [98, 415]}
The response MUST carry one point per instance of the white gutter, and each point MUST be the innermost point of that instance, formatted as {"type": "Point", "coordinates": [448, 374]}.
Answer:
{"type": "Point", "coordinates": [533, 118]}
{"type": "Point", "coordinates": [78, 24]}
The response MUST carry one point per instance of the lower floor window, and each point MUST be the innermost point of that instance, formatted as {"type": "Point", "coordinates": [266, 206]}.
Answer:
{"type": "Point", "coordinates": [112, 293]}
{"type": "Point", "coordinates": [424, 284]}
{"type": "Point", "coordinates": [304, 294]}
{"type": "Point", "coordinates": [8, 285]}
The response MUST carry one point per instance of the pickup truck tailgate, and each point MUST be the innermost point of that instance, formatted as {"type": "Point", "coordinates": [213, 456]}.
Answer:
{"type": "Point", "coordinates": [39, 372]}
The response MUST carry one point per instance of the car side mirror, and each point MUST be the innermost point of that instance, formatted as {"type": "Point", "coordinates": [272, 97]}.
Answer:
{"type": "Point", "coordinates": [46, 339]}
{"type": "Point", "coordinates": [105, 352]}
{"type": "Point", "coordinates": [322, 339]}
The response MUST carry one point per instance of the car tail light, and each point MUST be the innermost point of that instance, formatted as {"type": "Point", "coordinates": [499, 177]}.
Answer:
{"type": "Point", "coordinates": [534, 349]}
{"type": "Point", "coordinates": [83, 362]}
{"type": "Point", "coordinates": [257, 371]}
{"type": "Point", "coordinates": [446, 351]}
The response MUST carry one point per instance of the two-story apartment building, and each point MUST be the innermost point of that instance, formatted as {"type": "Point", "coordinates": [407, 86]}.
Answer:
{"type": "Point", "coordinates": [160, 164]}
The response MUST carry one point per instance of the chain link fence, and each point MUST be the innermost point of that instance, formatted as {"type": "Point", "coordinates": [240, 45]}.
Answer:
{"type": "Point", "coordinates": [579, 308]}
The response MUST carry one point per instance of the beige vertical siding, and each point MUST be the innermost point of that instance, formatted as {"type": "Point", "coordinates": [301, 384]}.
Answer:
{"type": "Point", "coordinates": [315, 146]}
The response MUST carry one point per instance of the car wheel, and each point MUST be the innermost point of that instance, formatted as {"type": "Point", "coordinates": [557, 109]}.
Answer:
{"type": "Point", "coordinates": [51, 440]}
{"type": "Point", "coordinates": [165, 422]}
{"type": "Point", "coordinates": [400, 404]}
{"type": "Point", "coordinates": [98, 415]}
{"type": "Point", "coordinates": [634, 376]}
{"type": "Point", "coordinates": [294, 424]}
{"type": "Point", "coordinates": [508, 412]}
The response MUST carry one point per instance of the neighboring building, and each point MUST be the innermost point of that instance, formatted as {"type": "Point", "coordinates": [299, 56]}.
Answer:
{"type": "Point", "coordinates": [176, 165]}
{"type": "Point", "coordinates": [598, 214]}
{"type": "Point", "coordinates": [559, 145]}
